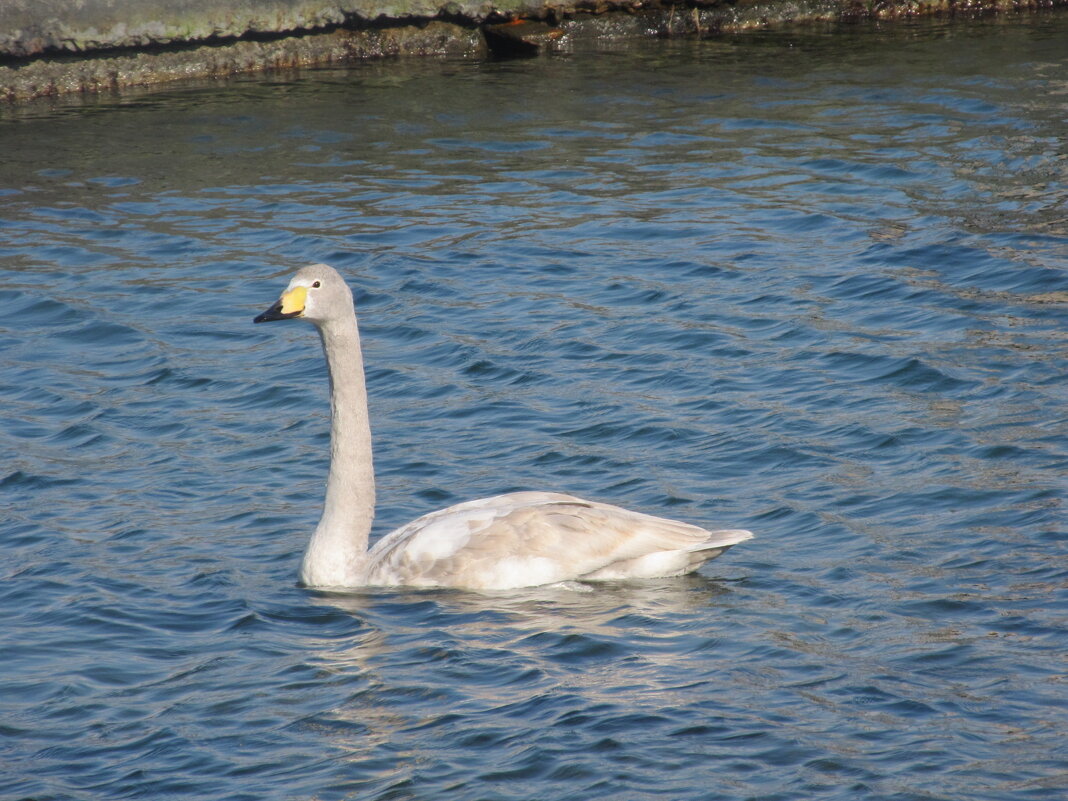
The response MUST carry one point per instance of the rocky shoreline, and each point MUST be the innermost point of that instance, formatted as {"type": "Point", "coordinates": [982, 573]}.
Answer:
{"type": "Point", "coordinates": [53, 48]}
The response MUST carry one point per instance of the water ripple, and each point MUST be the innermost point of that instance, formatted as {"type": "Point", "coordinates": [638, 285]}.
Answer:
{"type": "Point", "coordinates": [765, 282]}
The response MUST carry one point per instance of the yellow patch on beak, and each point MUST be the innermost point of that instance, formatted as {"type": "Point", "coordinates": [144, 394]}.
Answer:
{"type": "Point", "coordinates": [293, 301]}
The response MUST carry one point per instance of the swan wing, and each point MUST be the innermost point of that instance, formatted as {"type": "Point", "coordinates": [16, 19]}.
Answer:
{"type": "Point", "coordinates": [526, 539]}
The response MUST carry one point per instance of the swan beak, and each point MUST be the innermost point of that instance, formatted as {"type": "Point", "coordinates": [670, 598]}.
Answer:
{"type": "Point", "coordinates": [290, 305]}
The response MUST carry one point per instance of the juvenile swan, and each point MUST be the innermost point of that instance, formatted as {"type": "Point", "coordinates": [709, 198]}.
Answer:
{"type": "Point", "coordinates": [521, 539]}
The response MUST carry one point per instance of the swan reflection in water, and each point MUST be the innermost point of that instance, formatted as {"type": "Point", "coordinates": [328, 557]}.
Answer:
{"type": "Point", "coordinates": [435, 671]}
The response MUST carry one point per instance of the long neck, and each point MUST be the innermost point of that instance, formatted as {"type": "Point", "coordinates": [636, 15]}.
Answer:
{"type": "Point", "coordinates": [338, 549]}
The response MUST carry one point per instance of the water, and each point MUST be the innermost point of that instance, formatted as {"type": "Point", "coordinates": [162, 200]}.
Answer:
{"type": "Point", "coordinates": [808, 284]}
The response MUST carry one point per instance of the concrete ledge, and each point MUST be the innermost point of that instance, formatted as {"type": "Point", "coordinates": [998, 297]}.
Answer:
{"type": "Point", "coordinates": [36, 27]}
{"type": "Point", "coordinates": [55, 47]}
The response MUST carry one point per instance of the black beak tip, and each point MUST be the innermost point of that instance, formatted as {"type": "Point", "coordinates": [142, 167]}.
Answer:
{"type": "Point", "coordinates": [272, 314]}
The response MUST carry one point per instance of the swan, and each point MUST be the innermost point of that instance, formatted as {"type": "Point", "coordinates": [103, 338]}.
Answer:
{"type": "Point", "coordinates": [520, 539]}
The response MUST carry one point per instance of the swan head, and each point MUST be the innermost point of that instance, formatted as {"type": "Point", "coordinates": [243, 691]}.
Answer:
{"type": "Point", "coordinates": [317, 293]}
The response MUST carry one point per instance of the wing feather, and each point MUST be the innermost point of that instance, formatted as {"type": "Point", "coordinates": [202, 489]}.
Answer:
{"type": "Point", "coordinates": [529, 538]}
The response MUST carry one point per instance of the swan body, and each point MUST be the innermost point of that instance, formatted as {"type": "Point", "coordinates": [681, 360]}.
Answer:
{"type": "Point", "coordinates": [521, 539]}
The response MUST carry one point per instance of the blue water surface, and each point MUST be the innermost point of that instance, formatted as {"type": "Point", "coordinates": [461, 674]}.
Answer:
{"type": "Point", "coordinates": [809, 283]}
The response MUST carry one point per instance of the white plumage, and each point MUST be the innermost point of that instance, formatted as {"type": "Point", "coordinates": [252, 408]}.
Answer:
{"type": "Point", "coordinates": [521, 539]}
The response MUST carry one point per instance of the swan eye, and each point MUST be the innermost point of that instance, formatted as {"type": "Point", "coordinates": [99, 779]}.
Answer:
{"type": "Point", "coordinates": [316, 285]}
